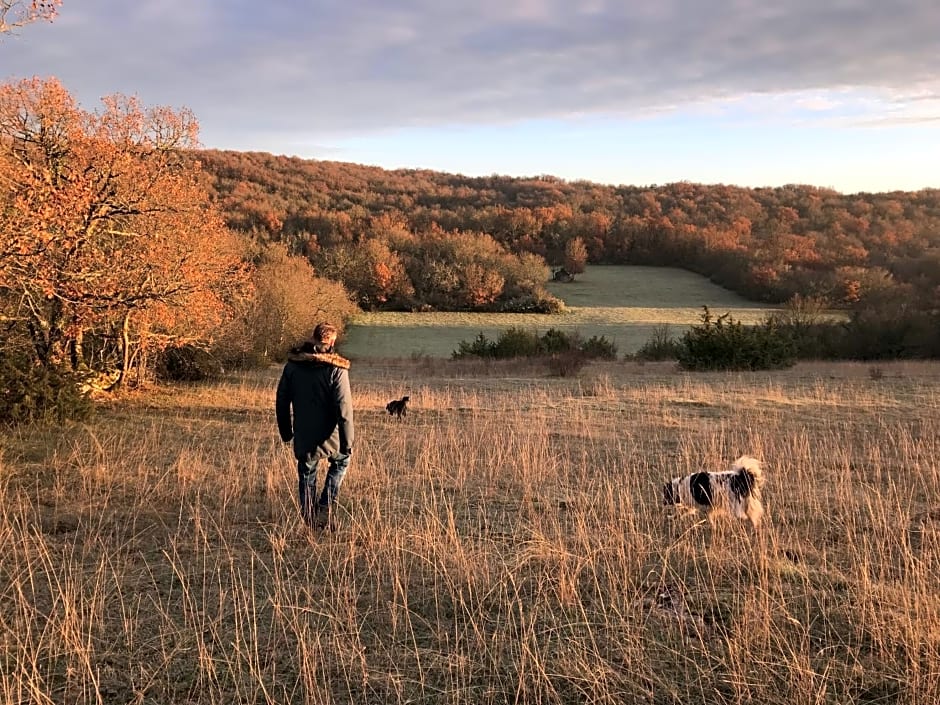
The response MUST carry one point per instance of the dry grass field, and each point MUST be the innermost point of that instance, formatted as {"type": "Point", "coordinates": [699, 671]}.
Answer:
{"type": "Point", "coordinates": [505, 543]}
{"type": "Point", "coordinates": [625, 304]}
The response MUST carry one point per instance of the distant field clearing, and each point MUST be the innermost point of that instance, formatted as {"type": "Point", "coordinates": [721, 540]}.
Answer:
{"type": "Point", "coordinates": [624, 304]}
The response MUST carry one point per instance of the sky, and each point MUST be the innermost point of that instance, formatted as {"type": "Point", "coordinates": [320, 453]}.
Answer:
{"type": "Point", "coordinates": [841, 94]}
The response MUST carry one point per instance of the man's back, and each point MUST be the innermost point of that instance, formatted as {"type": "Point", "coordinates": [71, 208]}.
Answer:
{"type": "Point", "coordinates": [315, 385]}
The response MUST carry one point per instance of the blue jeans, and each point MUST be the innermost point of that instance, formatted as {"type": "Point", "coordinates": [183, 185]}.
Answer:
{"type": "Point", "coordinates": [307, 484]}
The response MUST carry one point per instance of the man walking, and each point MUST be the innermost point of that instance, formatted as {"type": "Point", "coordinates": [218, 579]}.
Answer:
{"type": "Point", "coordinates": [315, 385]}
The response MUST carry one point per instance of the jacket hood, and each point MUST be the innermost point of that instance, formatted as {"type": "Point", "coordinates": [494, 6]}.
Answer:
{"type": "Point", "coordinates": [319, 358]}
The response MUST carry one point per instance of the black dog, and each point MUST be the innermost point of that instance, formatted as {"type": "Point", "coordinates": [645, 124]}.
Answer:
{"type": "Point", "coordinates": [398, 407]}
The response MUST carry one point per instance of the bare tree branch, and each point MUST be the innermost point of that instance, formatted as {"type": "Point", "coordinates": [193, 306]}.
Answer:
{"type": "Point", "coordinates": [18, 13]}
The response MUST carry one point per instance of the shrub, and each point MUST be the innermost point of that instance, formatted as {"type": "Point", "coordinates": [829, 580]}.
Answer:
{"type": "Point", "coordinates": [892, 334]}
{"type": "Point", "coordinates": [481, 346]}
{"type": "Point", "coordinates": [32, 392]}
{"type": "Point", "coordinates": [187, 363]}
{"type": "Point", "coordinates": [289, 300]}
{"type": "Point", "coordinates": [599, 348]}
{"type": "Point", "coordinates": [556, 341]}
{"type": "Point", "coordinates": [816, 341]}
{"type": "Point", "coordinates": [535, 303]}
{"type": "Point", "coordinates": [518, 342]}
{"type": "Point", "coordinates": [725, 344]}
{"type": "Point", "coordinates": [661, 346]}
{"type": "Point", "coordinates": [566, 364]}
{"type": "Point", "coordinates": [867, 335]}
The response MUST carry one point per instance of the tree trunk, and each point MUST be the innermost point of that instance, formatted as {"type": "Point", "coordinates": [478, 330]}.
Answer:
{"type": "Point", "coordinates": [125, 350]}
{"type": "Point", "coordinates": [77, 351]}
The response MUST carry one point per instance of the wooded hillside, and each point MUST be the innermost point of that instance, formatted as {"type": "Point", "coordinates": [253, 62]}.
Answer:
{"type": "Point", "coordinates": [768, 244]}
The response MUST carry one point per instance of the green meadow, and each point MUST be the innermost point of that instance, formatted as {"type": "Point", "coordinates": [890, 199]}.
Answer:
{"type": "Point", "coordinates": [624, 304]}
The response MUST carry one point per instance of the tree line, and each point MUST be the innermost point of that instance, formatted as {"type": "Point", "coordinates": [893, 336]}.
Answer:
{"type": "Point", "coordinates": [768, 244]}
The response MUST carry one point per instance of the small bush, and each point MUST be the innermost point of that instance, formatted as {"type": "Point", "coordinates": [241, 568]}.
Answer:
{"type": "Point", "coordinates": [535, 303]}
{"type": "Point", "coordinates": [599, 348]}
{"type": "Point", "coordinates": [661, 346]}
{"type": "Point", "coordinates": [31, 392]}
{"type": "Point", "coordinates": [817, 341]}
{"type": "Point", "coordinates": [557, 341]}
{"type": "Point", "coordinates": [566, 364]}
{"type": "Point", "coordinates": [481, 346]}
{"type": "Point", "coordinates": [187, 363]}
{"type": "Point", "coordinates": [725, 344]}
{"type": "Point", "coordinates": [518, 342]}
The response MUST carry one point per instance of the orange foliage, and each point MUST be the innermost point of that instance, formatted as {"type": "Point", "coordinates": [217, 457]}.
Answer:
{"type": "Point", "coordinates": [107, 230]}
{"type": "Point", "coordinates": [765, 274]}
{"type": "Point", "coordinates": [852, 291]}
{"type": "Point", "coordinates": [798, 249]}
{"type": "Point", "coordinates": [272, 223]}
{"type": "Point", "coordinates": [749, 240]}
{"type": "Point", "coordinates": [383, 278]}
{"type": "Point", "coordinates": [481, 286]}
{"type": "Point", "coordinates": [575, 256]}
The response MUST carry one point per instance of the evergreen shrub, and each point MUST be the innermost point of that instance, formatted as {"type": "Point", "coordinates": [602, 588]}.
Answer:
{"type": "Point", "coordinates": [725, 344]}
{"type": "Point", "coordinates": [30, 392]}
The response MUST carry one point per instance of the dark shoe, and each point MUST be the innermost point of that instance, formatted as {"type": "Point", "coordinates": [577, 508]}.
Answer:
{"type": "Point", "coordinates": [323, 519]}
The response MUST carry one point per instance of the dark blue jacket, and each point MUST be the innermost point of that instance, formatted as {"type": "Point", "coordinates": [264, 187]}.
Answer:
{"type": "Point", "coordinates": [315, 386]}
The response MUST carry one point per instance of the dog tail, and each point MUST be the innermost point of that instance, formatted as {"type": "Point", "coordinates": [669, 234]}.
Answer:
{"type": "Point", "coordinates": [749, 466]}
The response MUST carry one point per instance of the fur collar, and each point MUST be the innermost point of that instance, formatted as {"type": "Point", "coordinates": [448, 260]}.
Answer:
{"type": "Point", "coordinates": [320, 358]}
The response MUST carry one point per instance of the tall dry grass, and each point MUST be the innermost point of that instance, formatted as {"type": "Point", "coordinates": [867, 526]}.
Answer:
{"type": "Point", "coordinates": [505, 543]}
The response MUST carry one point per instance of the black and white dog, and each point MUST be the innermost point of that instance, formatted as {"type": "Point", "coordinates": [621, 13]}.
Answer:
{"type": "Point", "coordinates": [398, 407]}
{"type": "Point", "coordinates": [735, 492]}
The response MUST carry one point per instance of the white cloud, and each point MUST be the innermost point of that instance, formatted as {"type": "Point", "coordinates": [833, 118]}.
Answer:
{"type": "Point", "coordinates": [332, 67]}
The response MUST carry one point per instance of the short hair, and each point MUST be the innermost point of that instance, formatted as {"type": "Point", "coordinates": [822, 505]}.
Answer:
{"type": "Point", "coordinates": [324, 332]}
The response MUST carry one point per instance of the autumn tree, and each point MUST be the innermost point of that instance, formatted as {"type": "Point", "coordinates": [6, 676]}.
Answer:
{"type": "Point", "coordinates": [860, 285]}
{"type": "Point", "coordinates": [468, 270]}
{"type": "Point", "coordinates": [109, 245]}
{"type": "Point", "coordinates": [369, 269]}
{"type": "Point", "coordinates": [289, 300]}
{"type": "Point", "coordinates": [16, 13]}
{"type": "Point", "coordinates": [575, 256]}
